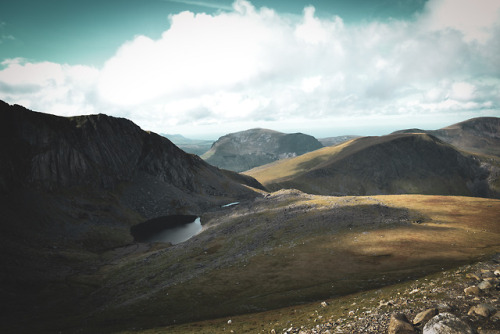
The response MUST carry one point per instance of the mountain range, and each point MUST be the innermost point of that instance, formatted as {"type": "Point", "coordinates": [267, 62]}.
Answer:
{"type": "Point", "coordinates": [73, 189]}
{"type": "Point", "coordinates": [403, 163]}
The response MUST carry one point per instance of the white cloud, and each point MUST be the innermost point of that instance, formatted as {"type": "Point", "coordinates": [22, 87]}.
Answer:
{"type": "Point", "coordinates": [255, 67]}
{"type": "Point", "coordinates": [49, 87]}
{"type": "Point", "coordinates": [474, 19]}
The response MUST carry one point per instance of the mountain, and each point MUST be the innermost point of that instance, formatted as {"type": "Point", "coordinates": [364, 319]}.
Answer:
{"type": "Point", "coordinates": [244, 150]}
{"type": "Point", "coordinates": [331, 141]}
{"type": "Point", "coordinates": [72, 188]}
{"type": "Point", "coordinates": [194, 146]}
{"type": "Point", "coordinates": [478, 135]}
{"type": "Point", "coordinates": [392, 164]}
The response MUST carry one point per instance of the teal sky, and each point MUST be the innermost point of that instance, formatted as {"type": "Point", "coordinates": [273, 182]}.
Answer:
{"type": "Point", "coordinates": [89, 32]}
{"type": "Point", "coordinates": [205, 68]}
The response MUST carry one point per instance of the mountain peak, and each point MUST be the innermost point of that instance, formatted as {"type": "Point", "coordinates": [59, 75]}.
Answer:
{"type": "Point", "coordinates": [244, 150]}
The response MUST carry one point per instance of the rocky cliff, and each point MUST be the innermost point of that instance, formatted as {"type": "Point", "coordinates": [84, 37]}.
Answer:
{"type": "Point", "coordinates": [244, 150]}
{"type": "Point", "coordinates": [72, 187]}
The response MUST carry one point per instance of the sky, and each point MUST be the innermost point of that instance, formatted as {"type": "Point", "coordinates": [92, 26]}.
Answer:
{"type": "Point", "coordinates": [211, 67]}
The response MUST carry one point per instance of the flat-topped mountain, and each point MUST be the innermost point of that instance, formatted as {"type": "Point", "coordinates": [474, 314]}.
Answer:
{"type": "Point", "coordinates": [392, 164]}
{"type": "Point", "coordinates": [244, 150]}
{"type": "Point", "coordinates": [478, 135]}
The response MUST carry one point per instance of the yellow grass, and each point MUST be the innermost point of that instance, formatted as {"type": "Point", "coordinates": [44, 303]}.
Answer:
{"type": "Point", "coordinates": [446, 232]}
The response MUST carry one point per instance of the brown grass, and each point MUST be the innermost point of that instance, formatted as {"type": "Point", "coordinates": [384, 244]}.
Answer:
{"type": "Point", "coordinates": [315, 265]}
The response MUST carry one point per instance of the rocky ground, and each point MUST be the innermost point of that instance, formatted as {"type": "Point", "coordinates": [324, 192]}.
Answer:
{"type": "Point", "coordinates": [464, 300]}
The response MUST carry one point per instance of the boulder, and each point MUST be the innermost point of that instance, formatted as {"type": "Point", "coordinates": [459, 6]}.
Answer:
{"type": "Point", "coordinates": [447, 323]}
{"type": "Point", "coordinates": [485, 285]}
{"type": "Point", "coordinates": [472, 291]}
{"type": "Point", "coordinates": [483, 310]}
{"type": "Point", "coordinates": [424, 316]}
{"type": "Point", "coordinates": [399, 324]}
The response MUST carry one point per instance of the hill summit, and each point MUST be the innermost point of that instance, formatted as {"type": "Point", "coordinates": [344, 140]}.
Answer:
{"type": "Point", "coordinates": [414, 163]}
{"type": "Point", "coordinates": [478, 135]}
{"type": "Point", "coordinates": [244, 150]}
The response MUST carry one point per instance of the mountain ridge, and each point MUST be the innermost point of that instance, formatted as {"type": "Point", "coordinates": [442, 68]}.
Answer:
{"type": "Point", "coordinates": [477, 135]}
{"type": "Point", "coordinates": [392, 164]}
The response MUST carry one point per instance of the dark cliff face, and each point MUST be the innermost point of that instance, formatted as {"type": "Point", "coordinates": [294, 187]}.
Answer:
{"type": "Point", "coordinates": [138, 174]}
{"type": "Point", "coordinates": [70, 190]}
{"type": "Point", "coordinates": [244, 150]}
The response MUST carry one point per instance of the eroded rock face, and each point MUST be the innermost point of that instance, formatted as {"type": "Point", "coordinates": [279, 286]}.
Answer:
{"type": "Point", "coordinates": [88, 172]}
{"type": "Point", "coordinates": [244, 150]}
{"type": "Point", "coordinates": [447, 323]}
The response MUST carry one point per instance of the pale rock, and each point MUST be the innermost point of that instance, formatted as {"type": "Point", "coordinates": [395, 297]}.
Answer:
{"type": "Point", "coordinates": [399, 324]}
{"type": "Point", "coordinates": [472, 290]}
{"type": "Point", "coordinates": [484, 310]}
{"type": "Point", "coordinates": [485, 285]}
{"type": "Point", "coordinates": [447, 323]}
{"type": "Point", "coordinates": [424, 316]}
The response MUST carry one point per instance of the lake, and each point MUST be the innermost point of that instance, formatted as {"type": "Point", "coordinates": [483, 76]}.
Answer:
{"type": "Point", "coordinates": [174, 229]}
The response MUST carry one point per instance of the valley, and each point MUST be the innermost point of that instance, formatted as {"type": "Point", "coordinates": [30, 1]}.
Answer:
{"type": "Point", "coordinates": [328, 224]}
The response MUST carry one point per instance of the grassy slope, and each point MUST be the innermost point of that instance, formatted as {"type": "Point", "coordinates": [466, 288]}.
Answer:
{"type": "Point", "coordinates": [255, 259]}
{"type": "Point", "coordinates": [393, 164]}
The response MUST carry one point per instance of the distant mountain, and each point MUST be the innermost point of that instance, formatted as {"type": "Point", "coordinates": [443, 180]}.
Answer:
{"type": "Point", "coordinates": [244, 150]}
{"type": "Point", "coordinates": [478, 135]}
{"type": "Point", "coordinates": [330, 141]}
{"type": "Point", "coordinates": [194, 146]}
{"type": "Point", "coordinates": [393, 164]}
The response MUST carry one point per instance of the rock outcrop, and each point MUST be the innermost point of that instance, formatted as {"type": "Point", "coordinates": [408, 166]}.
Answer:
{"type": "Point", "coordinates": [72, 187]}
{"type": "Point", "coordinates": [244, 150]}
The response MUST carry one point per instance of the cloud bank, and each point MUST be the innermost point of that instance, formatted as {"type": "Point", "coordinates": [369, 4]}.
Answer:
{"type": "Point", "coordinates": [255, 67]}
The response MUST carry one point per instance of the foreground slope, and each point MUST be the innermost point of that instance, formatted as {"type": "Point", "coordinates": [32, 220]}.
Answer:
{"type": "Point", "coordinates": [71, 188]}
{"type": "Point", "coordinates": [478, 135]}
{"type": "Point", "coordinates": [244, 150]}
{"type": "Point", "coordinates": [289, 248]}
{"type": "Point", "coordinates": [393, 164]}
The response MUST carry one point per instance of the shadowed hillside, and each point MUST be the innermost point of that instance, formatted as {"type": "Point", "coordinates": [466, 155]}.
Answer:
{"type": "Point", "coordinates": [71, 188]}
{"type": "Point", "coordinates": [478, 135]}
{"type": "Point", "coordinates": [393, 164]}
{"type": "Point", "coordinates": [289, 248]}
{"type": "Point", "coordinates": [244, 150]}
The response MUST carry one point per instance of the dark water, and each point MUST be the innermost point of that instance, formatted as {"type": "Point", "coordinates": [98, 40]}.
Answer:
{"type": "Point", "coordinates": [174, 229]}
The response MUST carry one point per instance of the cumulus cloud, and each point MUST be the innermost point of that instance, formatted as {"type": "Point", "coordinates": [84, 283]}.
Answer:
{"type": "Point", "coordinates": [60, 89]}
{"type": "Point", "coordinates": [253, 66]}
